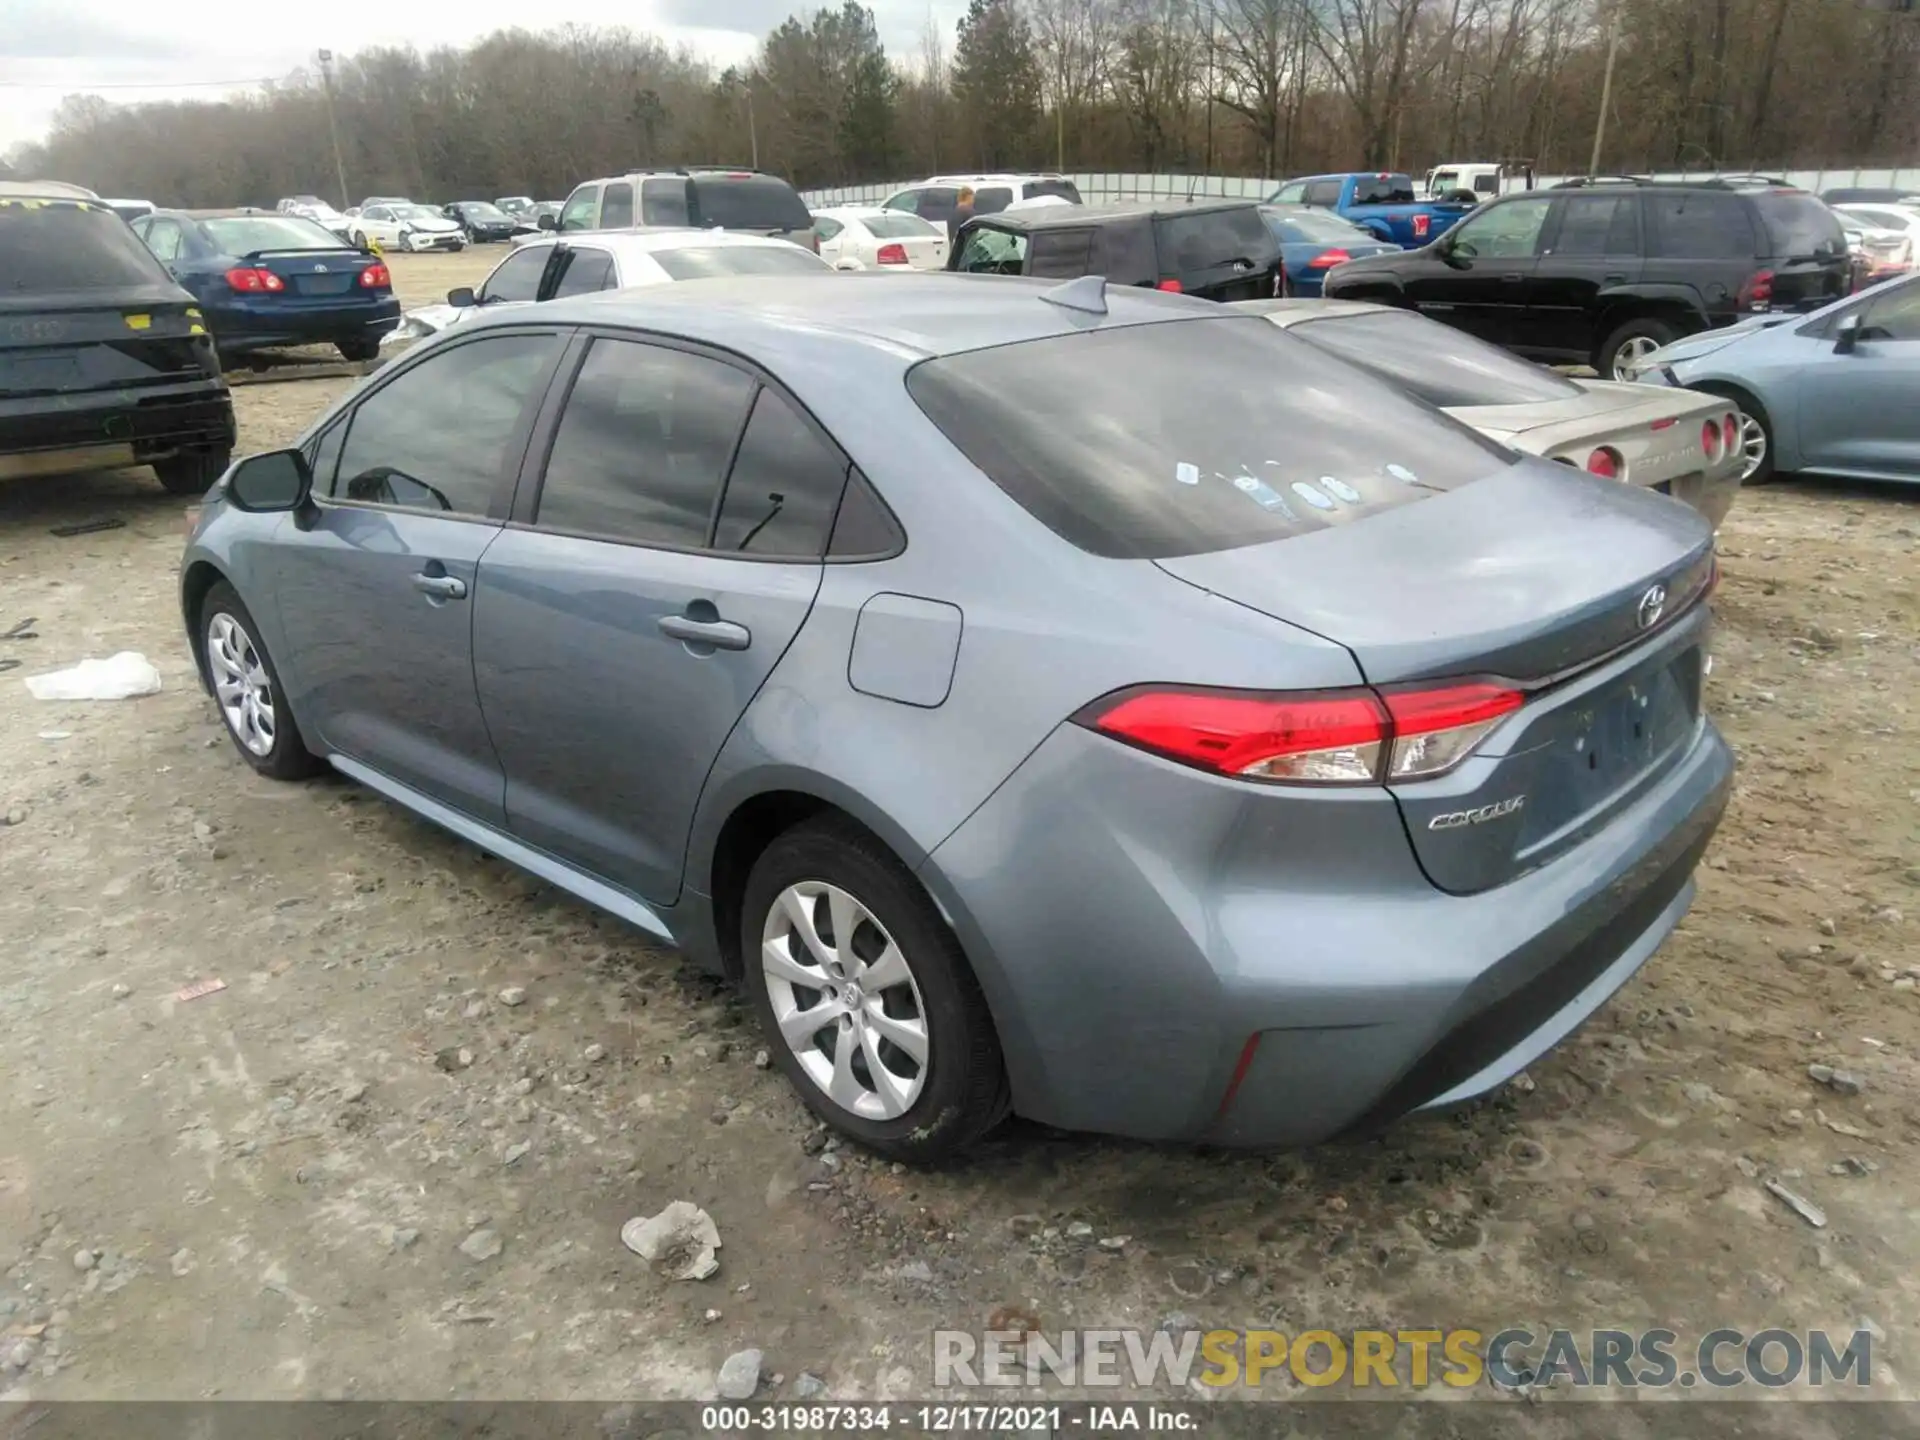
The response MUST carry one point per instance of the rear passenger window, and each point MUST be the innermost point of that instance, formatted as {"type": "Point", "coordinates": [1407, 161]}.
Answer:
{"type": "Point", "coordinates": [1699, 225]}
{"type": "Point", "coordinates": [586, 272]}
{"type": "Point", "coordinates": [1593, 225]}
{"type": "Point", "coordinates": [663, 202]}
{"type": "Point", "coordinates": [642, 445]}
{"type": "Point", "coordinates": [992, 200]}
{"type": "Point", "coordinates": [616, 206]}
{"type": "Point", "coordinates": [518, 276]}
{"type": "Point", "coordinates": [784, 488]}
{"type": "Point", "coordinates": [1064, 253]}
{"type": "Point", "coordinates": [438, 437]}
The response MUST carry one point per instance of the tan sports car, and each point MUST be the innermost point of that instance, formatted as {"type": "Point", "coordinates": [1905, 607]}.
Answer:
{"type": "Point", "coordinates": [1683, 442]}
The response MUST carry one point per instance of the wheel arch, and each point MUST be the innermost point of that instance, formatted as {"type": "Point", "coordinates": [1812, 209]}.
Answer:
{"type": "Point", "coordinates": [196, 580]}
{"type": "Point", "coordinates": [1752, 402]}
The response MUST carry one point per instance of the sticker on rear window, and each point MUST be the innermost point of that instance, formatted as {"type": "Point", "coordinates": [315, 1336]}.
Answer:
{"type": "Point", "coordinates": [1340, 490]}
{"type": "Point", "coordinates": [1312, 496]}
{"type": "Point", "coordinates": [1400, 472]}
{"type": "Point", "coordinates": [1187, 473]}
{"type": "Point", "coordinates": [1262, 494]}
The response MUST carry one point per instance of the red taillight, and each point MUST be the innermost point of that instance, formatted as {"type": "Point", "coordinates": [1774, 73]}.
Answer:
{"type": "Point", "coordinates": [1340, 737]}
{"type": "Point", "coordinates": [891, 255]}
{"type": "Point", "coordinates": [1172, 287]}
{"type": "Point", "coordinates": [254, 281]}
{"type": "Point", "coordinates": [1710, 439]}
{"type": "Point", "coordinates": [1666, 424]}
{"type": "Point", "coordinates": [1757, 292]}
{"type": "Point", "coordinates": [1729, 431]}
{"type": "Point", "coordinates": [1327, 259]}
{"type": "Point", "coordinates": [813, 242]}
{"type": "Point", "coordinates": [376, 277]}
{"type": "Point", "coordinates": [1605, 463]}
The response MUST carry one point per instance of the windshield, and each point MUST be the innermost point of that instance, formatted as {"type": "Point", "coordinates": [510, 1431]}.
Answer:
{"type": "Point", "coordinates": [897, 226]}
{"type": "Point", "coordinates": [1055, 189]}
{"type": "Point", "coordinates": [1798, 225]}
{"type": "Point", "coordinates": [58, 245]}
{"type": "Point", "coordinates": [416, 212]}
{"type": "Point", "coordinates": [245, 234]}
{"type": "Point", "coordinates": [1316, 227]}
{"type": "Point", "coordinates": [698, 262]}
{"type": "Point", "coordinates": [1441, 365]}
{"type": "Point", "coordinates": [753, 202]}
{"type": "Point", "coordinates": [1148, 441]}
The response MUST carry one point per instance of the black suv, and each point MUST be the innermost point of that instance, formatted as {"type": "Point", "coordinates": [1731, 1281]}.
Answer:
{"type": "Point", "coordinates": [1604, 274]}
{"type": "Point", "coordinates": [700, 197]}
{"type": "Point", "coordinates": [1220, 250]}
{"type": "Point", "coordinates": [104, 360]}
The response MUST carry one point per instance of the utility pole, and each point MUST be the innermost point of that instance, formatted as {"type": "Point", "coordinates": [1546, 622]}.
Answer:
{"type": "Point", "coordinates": [1606, 85]}
{"type": "Point", "coordinates": [333, 128]}
{"type": "Point", "coordinates": [753, 133]}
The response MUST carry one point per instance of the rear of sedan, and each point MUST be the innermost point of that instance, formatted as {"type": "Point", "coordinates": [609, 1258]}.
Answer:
{"type": "Point", "coordinates": [267, 280]}
{"type": "Point", "coordinates": [1682, 443]}
{"type": "Point", "coordinates": [1312, 242]}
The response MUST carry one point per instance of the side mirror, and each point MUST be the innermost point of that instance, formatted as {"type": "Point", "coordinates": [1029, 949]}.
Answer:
{"type": "Point", "coordinates": [1847, 337]}
{"type": "Point", "coordinates": [277, 480]}
{"type": "Point", "coordinates": [547, 222]}
{"type": "Point", "coordinates": [461, 297]}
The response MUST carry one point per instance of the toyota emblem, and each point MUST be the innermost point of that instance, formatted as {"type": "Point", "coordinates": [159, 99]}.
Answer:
{"type": "Point", "coordinates": [1653, 605]}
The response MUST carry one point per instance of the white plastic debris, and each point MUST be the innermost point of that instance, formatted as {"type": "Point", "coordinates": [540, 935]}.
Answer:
{"type": "Point", "coordinates": [118, 677]}
{"type": "Point", "coordinates": [678, 1242]}
{"type": "Point", "coordinates": [427, 320]}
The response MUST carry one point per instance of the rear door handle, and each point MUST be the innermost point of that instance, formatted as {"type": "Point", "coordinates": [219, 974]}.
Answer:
{"type": "Point", "coordinates": [721, 634]}
{"type": "Point", "coordinates": [1620, 279]}
{"type": "Point", "coordinates": [440, 587]}
{"type": "Point", "coordinates": [1511, 279]}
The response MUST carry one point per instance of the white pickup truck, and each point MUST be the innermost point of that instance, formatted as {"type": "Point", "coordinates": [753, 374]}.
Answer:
{"type": "Point", "coordinates": [1484, 178]}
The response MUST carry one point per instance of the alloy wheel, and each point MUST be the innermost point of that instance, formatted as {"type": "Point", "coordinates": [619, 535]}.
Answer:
{"type": "Point", "coordinates": [241, 684]}
{"type": "Point", "coordinates": [1631, 352]}
{"type": "Point", "coordinates": [845, 1000]}
{"type": "Point", "coordinates": [1753, 445]}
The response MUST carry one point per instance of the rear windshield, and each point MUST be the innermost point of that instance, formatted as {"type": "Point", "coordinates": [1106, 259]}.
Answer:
{"type": "Point", "coordinates": [757, 202]}
{"type": "Point", "coordinates": [894, 225]}
{"type": "Point", "coordinates": [1441, 365]}
{"type": "Point", "coordinates": [1214, 238]}
{"type": "Point", "coordinates": [1798, 225]}
{"type": "Point", "coordinates": [1317, 227]}
{"type": "Point", "coordinates": [1148, 441]}
{"type": "Point", "coordinates": [698, 262]}
{"type": "Point", "coordinates": [1383, 190]}
{"type": "Point", "coordinates": [245, 234]}
{"type": "Point", "coordinates": [60, 245]}
{"type": "Point", "coordinates": [1063, 189]}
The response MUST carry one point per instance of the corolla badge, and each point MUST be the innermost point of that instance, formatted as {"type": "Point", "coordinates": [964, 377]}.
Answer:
{"type": "Point", "coordinates": [1653, 605]}
{"type": "Point", "coordinates": [1460, 819]}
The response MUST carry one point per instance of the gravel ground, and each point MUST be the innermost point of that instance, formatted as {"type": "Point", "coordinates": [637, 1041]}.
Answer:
{"type": "Point", "coordinates": [391, 1158]}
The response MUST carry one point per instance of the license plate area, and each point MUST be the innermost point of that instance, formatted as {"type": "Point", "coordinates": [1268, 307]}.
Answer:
{"type": "Point", "coordinates": [322, 284]}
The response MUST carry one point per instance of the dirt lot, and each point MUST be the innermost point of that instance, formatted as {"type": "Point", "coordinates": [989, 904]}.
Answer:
{"type": "Point", "coordinates": [286, 1169]}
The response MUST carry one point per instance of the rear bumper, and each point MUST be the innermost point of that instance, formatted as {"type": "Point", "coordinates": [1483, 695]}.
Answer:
{"type": "Point", "coordinates": [1146, 934]}
{"type": "Point", "coordinates": [286, 321]}
{"type": "Point", "coordinates": [113, 427]}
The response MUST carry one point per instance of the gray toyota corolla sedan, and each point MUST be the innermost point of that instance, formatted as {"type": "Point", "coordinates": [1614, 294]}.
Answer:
{"type": "Point", "coordinates": [1088, 702]}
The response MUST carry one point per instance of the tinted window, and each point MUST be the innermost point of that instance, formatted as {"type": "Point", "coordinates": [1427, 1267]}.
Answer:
{"type": "Point", "coordinates": [991, 200]}
{"type": "Point", "coordinates": [1324, 193]}
{"type": "Point", "coordinates": [1383, 190]}
{"type": "Point", "coordinates": [784, 487]}
{"type": "Point", "coordinates": [1598, 225]}
{"type": "Point", "coordinates": [642, 445]}
{"type": "Point", "coordinates": [697, 262]}
{"type": "Point", "coordinates": [439, 436]}
{"type": "Point", "coordinates": [1064, 189]}
{"type": "Point", "coordinates": [1124, 253]}
{"type": "Point", "coordinates": [1060, 252]}
{"type": "Point", "coordinates": [1509, 231]}
{"type": "Point", "coordinates": [163, 238]}
{"type": "Point", "coordinates": [827, 228]}
{"type": "Point", "coordinates": [580, 207]}
{"type": "Point", "coordinates": [1486, 183]}
{"type": "Point", "coordinates": [1893, 314]}
{"type": "Point", "coordinates": [937, 203]}
{"type": "Point", "coordinates": [898, 227]}
{"type": "Point", "coordinates": [757, 202]}
{"type": "Point", "coordinates": [987, 251]}
{"type": "Point", "coordinates": [242, 235]}
{"type": "Point", "coordinates": [1441, 365]}
{"type": "Point", "coordinates": [1798, 226]}
{"type": "Point", "coordinates": [663, 202]}
{"type": "Point", "coordinates": [616, 206]}
{"type": "Point", "coordinates": [1700, 225]}
{"type": "Point", "coordinates": [1173, 439]}
{"type": "Point", "coordinates": [864, 526]}
{"type": "Point", "coordinates": [586, 272]}
{"type": "Point", "coordinates": [61, 245]}
{"type": "Point", "coordinates": [1213, 239]}
{"type": "Point", "coordinates": [518, 277]}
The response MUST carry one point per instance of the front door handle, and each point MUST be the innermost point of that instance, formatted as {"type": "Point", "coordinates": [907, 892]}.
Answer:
{"type": "Point", "coordinates": [1511, 279]}
{"type": "Point", "coordinates": [440, 587]}
{"type": "Point", "coordinates": [720, 634]}
{"type": "Point", "coordinates": [1619, 279]}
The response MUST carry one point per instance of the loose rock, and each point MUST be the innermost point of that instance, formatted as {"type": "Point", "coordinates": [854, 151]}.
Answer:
{"type": "Point", "coordinates": [678, 1242]}
{"type": "Point", "coordinates": [739, 1376]}
{"type": "Point", "coordinates": [594, 1054]}
{"type": "Point", "coordinates": [513, 995]}
{"type": "Point", "coordinates": [84, 1260]}
{"type": "Point", "coordinates": [482, 1244]}
{"type": "Point", "coordinates": [1844, 1082]}
{"type": "Point", "coordinates": [121, 992]}
{"type": "Point", "coordinates": [807, 1387]}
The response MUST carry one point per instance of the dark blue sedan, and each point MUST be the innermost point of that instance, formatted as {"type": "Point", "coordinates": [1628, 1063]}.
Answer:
{"type": "Point", "coordinates": [1312, 242]}
{"type": "Point", "coordinates": [265, 279]}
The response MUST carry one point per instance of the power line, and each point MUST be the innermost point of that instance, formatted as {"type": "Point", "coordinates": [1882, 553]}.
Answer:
{"type": "Point", "coordinates": [137, 84]}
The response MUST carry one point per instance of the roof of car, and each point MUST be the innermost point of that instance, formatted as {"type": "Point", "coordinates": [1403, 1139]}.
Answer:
{"type": "Point", "coordinates": [1291, 312]}
{"type": "Point", "coordinates": [45, 190]}
{"type": "Point", "coordinates": [645, 239]}
{"type": "Point", "coordinates": [991, 177]}
{"type": "Point", "coordinates": [807, 320]}
{"type": "Point", "coordinates": [1048, 217]}
{"type": "Point", "coordinates": [232, 212]}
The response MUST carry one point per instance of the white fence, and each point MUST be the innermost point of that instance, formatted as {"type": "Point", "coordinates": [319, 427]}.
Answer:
{"type": "Point", "coordinates": [1106, 187]}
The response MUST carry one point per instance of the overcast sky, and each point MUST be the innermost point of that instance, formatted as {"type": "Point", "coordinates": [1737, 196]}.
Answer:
{"type": "Point", "coordinates": [120, 48]}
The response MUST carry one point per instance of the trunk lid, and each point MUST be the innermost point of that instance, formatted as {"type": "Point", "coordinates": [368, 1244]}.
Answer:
{"type": "Point", "coordinates": [77, 344]}
{"type": "Point", "coordinates": [1577, 590]}
{"type": "Point", "coordinates": [315, 273]}
{"type": "Point", "coordinates": [924, 252]}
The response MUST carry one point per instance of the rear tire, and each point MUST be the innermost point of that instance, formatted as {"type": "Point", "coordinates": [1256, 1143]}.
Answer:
{"type": "Point", "coordinates": [191, 472]}
{"type": "Point", "coordinates": [895, 982]}
{"type": "Point", "coordinates": [1641, 335]}
{"type": "Point", "coordinates": [361, 348]}
{"type": "Point", "coordinates": [247, 689]}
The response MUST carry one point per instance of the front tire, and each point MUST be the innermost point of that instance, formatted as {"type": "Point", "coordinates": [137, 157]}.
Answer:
{"type": "Point", "coordinates": [192, 472]}
{"type": "Point", "coordinates": [247, 689]}
{"type": "Point", "coordinates": [867, 1001]}
{"type": "Point", "coordinates": [1632, 340]}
